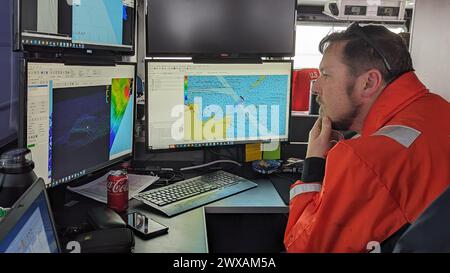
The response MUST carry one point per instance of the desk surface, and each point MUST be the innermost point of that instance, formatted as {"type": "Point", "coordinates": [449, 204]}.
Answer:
{"type": "Point", "coordinates": [187, 231]}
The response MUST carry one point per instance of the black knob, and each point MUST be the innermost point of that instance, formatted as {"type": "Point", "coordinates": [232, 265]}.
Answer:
{"type": "Point", "coordinates": [16, 161]}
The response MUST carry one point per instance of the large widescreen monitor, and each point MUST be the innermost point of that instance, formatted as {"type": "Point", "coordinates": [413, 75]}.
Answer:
{"type": "Point", "coordinates": [221, 27]}
{"type": "Point", "coordinates": [77, 25]}
{"type": "Point", "coordinates": [78, 119]}
{"type": "Point", "coordinates": [199, 105]}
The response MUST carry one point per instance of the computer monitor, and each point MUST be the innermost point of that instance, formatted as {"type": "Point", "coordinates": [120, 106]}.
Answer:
{"type": "Point", "coordinates": [76, 25]}
{"type": "Point", "coordinates": [217, 27]}
{"type": "Point", "coordinates": [29, 225]}
{"type": "Point", "coordinates": [78, 118]}
{"type": "Point", "coordinates": [210, 104]}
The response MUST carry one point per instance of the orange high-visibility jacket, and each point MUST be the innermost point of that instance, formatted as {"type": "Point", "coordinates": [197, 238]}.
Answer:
{"type": "Point", "coordinates": [379, 181]}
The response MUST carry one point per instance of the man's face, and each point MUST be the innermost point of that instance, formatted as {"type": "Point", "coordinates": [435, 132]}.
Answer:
{"type": "Point", "coordinates": [335, 89]}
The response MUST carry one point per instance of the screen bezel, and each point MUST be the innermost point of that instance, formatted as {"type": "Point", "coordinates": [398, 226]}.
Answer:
{"type": "Point", "coordinates": [219, 54]}
{"type": "Point", "coordinates": [23, 125]}
{"type": "Point", "coordinates": [90, 49]}
{"type": "Point", "coordinates": [148, 150]}
{"type": "Point", "coordinates": [6, 142]}
{"type": "Point", "coordinates": [22, 205]}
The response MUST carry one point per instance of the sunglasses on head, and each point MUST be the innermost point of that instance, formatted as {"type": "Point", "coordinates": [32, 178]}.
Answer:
{"type": "Point", "coordinates": [356, 29]}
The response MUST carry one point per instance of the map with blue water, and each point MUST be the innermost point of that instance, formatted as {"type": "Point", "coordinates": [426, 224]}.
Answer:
{"type": "Point", "coordinates": [97, 21]}
{"type": "Point", "coordinates": [248, 106]}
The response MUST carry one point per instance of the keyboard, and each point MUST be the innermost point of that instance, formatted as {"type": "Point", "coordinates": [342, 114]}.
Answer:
{"type": "Point", "coordinates": [194, 192]}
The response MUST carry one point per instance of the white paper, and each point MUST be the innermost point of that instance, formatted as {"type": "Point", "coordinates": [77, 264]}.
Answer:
{"type": "Point", "coordinates": [97, 188]}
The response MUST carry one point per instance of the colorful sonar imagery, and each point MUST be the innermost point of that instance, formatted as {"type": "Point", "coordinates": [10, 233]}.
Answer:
{"type": "Point", "coordinates": [98, 21]}
{"type": "Point", "coordinates": [80, 129]}
{"type": "Point", "coordinates": [234, 106]}
{"type": "Point", "coordinates": [121, 116]}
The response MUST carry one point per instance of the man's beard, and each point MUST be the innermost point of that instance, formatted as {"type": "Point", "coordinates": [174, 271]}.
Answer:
{"type": "Point", "coordinates": [344, 123]}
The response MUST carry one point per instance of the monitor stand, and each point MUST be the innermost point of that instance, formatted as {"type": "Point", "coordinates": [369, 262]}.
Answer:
{"type": "Point", "coordinates": [149, 164]}
{"type": "Point", "coordinates": [227, 58]}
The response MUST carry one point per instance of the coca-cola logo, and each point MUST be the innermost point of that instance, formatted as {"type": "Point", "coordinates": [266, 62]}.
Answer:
{"type": "Point", "coordinates": [117, 186]}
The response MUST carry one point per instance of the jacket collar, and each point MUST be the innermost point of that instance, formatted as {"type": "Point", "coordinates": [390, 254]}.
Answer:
{"type": "Point", "coordinates": [395, 97]}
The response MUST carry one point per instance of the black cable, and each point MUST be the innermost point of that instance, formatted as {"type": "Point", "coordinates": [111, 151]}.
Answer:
{"type": "Point", "coordinates": [3, 181]}
{"type": "Point", "coordinates": [163, 181]}
{"type": "Point", "coordinates": [173, 176]}
{"type": "Point", "coordinates": [232, 167]}
{"type": "Point", "coordinates": [219, 154]}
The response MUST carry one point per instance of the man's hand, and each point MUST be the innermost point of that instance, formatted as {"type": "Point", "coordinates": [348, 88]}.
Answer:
{"type": "Point", "coordinates": [319, 138]}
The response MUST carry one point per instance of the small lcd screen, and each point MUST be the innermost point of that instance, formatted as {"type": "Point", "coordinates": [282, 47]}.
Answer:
{"type": "Point", "coordinates": [78, 118]}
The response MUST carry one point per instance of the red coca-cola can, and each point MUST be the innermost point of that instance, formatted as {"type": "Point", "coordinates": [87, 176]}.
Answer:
{"type": "Point", "coordinates": [117, 188]}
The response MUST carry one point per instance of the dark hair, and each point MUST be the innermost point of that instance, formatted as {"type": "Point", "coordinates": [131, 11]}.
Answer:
{"type": "Point", "coordinates": [372, 46]}
{"type": "Point", "coordinates": [406, 36]}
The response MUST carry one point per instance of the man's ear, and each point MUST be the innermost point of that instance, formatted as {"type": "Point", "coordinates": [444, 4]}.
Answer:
{"type": "Point", "coordinates": [372, 83]}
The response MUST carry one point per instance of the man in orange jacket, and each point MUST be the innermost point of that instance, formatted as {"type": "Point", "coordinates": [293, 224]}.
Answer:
{"type": "Point", "coordinates": [362, 191]}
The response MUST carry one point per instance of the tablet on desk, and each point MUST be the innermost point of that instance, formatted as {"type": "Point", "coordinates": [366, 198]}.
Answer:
{"type": "Point", "coordinates": [29, 225]}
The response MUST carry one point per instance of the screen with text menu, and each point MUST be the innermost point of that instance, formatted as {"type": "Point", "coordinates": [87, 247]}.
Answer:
{"type": "Point", "coordinates": [209, 104]}
{"type": "Point", "coordinates": [78, 118]}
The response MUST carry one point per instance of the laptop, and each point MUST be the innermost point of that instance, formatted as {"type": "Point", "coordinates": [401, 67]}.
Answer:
{"type": "Point", "coordinates": [29, 226]}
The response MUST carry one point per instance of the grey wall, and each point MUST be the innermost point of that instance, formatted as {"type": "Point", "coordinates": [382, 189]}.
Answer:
{"type": "Point", "coordinates": [140, 50]}
{"type": "Point", "coordinates": [430, 44]}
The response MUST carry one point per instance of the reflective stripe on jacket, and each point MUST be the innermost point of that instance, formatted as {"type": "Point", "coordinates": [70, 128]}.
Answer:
{"type": "Point", "coordinates": [376, 183]}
